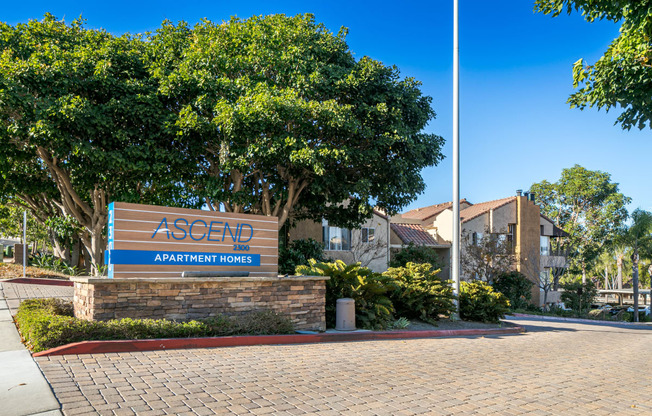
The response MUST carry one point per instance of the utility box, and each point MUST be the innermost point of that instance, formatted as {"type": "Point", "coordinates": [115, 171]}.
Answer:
{"type": "Point", "coordinates": [345, 315]}
{"type": "Point", "coordinates": [2, 253]}
{"type": "Point", "coordinates": [18, 254]}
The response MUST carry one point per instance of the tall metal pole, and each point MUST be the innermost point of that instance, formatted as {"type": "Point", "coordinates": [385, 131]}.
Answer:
{"type": "Point", "coordinates": [455, 260]}
{"type": "Point", "coordinates": [24, 242]}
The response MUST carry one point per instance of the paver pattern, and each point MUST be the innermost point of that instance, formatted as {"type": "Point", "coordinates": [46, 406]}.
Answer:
{"type": "Point", "coordinates": [557, 368]}
{"type": "Point", "coordinates": [14, 293]}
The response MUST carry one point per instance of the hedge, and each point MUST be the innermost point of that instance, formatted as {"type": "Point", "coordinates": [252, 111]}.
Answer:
{"type": "Point", "coordinates": [49, 323]}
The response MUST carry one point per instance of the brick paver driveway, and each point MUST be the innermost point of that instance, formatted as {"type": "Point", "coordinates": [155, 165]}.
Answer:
{"type": "Point", "coordinates": [556, 368]}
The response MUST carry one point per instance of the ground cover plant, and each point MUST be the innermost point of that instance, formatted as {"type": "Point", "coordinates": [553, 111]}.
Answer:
{"type": "Point", "coordinates": [49, 323]}
{"type": "Point", "coordinates": [419, 293]}
{"type": "Point", "coordinates": [369, 290]}
{"type": "Point", "coordinates": [479, 302]}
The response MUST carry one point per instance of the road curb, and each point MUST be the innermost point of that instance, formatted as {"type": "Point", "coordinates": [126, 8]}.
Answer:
{"type": "Point", "coordinates": [100, 347]}
{"type": "Point", "coordinates": [578, 320]}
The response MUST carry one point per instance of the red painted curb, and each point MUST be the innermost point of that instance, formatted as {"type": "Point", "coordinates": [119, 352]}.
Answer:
{"type": "Point", "coordinates": [101, 347]}
{"type": "Point", "coordinates": [38, 281]}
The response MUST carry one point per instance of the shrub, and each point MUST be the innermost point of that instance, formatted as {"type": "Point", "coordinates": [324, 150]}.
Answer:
{"type": "Point", "coordinates": [578, 296]}
{"type": "Point", "coordinates": [416, 254]}
{"type": "Point", "coordinates": [48, 323]}
{"type": "Point", "coordinates": [479, 302]}
{"type": "Point", "coordinates": [420, 293]}
{"type": "Point", "coordinates": [516, 287]}
{"type": "Point", "coordinates": [373, 309]}
{"type": "Point", "coordinates": [297, 253]}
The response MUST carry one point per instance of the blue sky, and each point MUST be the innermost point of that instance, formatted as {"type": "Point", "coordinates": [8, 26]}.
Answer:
{"type": "Point", "coordinates": [516, 127]}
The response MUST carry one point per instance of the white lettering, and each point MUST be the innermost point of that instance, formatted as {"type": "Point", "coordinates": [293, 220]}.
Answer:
{"type": "Point", "coordinates": [157, 258]}
{"type": "Point", "coordinates": [166, 257]}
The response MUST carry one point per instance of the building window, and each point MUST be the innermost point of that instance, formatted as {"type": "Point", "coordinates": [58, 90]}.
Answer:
{"type": "Point", "coordinates": [335, 238]}
{"type": "Point", "coordinates": [511, 236]}
{"type": "Point", "coordinates": [545, 245]}
{"type": "Point", "coordinates": [477, 238]}
{"type": "Point", "coordinates": [368, 235]}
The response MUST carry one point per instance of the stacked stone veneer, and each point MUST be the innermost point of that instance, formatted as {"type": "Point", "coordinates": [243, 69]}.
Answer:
{"type": "Point", "coordinates": [302, 298]}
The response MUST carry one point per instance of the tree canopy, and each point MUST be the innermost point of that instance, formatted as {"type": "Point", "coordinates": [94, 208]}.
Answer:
{"type": "Point", "coordinates": [588, 206]}
{"type": "Point", "coordinates": [82, 123]}
{"type": "Point", "coordinates": [269, 115]}
{"type": "Point", "coordinates": [622, 77]}
{"type": "Point", "coordinates": [286, 122]}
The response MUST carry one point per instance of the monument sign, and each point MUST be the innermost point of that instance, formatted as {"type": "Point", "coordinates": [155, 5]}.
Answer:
{"type": "Point", "coordinates": [153, 241]}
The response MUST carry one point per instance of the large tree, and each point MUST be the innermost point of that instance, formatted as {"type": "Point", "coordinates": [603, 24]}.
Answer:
{"type": "Point", "coordinates": [622, 77]}
{"type": "Point", "coordinates": [81, 115]}
{"type": "Point", "coordinates": [287, 123]}
{"type": "Point", "coordinates": [588, 206]}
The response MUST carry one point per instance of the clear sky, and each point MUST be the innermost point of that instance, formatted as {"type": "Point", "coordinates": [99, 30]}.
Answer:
{"type": "Point", "coordinates": [516, 128]}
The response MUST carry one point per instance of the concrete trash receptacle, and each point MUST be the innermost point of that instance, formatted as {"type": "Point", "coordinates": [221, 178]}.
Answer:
{"type": "Point", "coordinates": [345, 315]}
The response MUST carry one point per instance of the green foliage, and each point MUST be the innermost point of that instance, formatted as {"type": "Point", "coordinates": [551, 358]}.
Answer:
{"type": "Point", "coordinates": [50, 262]}
{"type": "Point", "coordinates": [48, 323]}
{"type": "Point", "coordinates": [516, 287]}
{"type": "Point", "coordinates": [420, 293]}
{"type": "Point", "coordinates": [284, 120]}
{"type": "Point", "coordinates": [373, 308]}
{"type": "Point", "coordinates": [589, 207]}
{"type": "Point", "coordinates": [81, 122]}
{"type": "Point", "coordinates": [479, 302]}
{"type": "Point", "coordinates": [579, 302]}
{"type": "Point", "coordinates": [401, 323]}
{"type": "Point", "coordinates": [297, 253]}
{"type": "Point", "coordinates": [416, 254]}
{"type": "Point", "coordinates": [622, 77]}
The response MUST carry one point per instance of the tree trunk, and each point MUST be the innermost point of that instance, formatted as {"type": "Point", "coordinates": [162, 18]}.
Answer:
{"type": "Point", "coordinates": [606, 278]}
{"type": "Point", "coordinates": [635, 282]}
{"type": "Point", "coordinates": [619, 262]}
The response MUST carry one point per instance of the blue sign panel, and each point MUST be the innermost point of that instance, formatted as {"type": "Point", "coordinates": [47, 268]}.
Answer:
{"type": "Point", "coordinates": [182, 258]}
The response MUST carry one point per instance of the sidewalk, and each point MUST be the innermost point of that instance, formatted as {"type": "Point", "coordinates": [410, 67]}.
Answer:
{"type": "Point", "coordinates": [23, 388]}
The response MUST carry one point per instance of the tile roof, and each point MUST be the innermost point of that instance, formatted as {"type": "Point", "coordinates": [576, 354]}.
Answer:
{"type": "Point", "coordinates": [413, 233]}
{"type": "Point", "coordinates": [476, 210]}
{"type": "Point", "coordinates": [430, 211]}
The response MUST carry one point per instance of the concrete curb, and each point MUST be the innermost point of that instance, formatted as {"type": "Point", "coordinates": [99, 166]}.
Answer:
{"type": "Point", "coordinates": [101, 347]}
{"type": "Point", "coordinates": [578, 320]}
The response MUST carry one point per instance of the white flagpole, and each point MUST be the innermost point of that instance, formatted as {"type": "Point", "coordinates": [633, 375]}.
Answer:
{"type": "Point", "coordinates": [24, 242]}
{"type": "Point", "coordinates": [455, 260]}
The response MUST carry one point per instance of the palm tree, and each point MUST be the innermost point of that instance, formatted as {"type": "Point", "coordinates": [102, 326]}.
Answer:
{"type": "Point", "coordinates": [638, 236]}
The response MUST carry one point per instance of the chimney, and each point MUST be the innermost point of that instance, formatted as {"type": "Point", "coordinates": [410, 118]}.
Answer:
{"type": "Point", "coordinates": [532, 194]}
{"type": "Point", "coordinates": [519, 192]}
{"type": "Point", "coordinates": [527, 195]}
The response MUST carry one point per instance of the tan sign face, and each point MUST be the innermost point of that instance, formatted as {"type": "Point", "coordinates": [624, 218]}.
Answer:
{"type": "Point", "coordinates": [153, 241]}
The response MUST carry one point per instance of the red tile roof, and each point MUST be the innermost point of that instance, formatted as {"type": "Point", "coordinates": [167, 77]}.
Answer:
{"type": "Point", "coordinates": [427, 212]}
{"type": "Point", "coordinates": [413, 233]}
{"type": "Point", "coordinates": [476, 210]}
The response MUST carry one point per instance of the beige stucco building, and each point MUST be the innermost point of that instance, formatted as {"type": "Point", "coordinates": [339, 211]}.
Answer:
{"type": "Point", "coordinates": [368, 244]}
{"type": "Point", "coordinates": [515, 219]}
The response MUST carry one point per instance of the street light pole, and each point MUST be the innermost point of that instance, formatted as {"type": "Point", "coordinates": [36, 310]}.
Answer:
{"type": "Point", "coordinates": [455, 260]}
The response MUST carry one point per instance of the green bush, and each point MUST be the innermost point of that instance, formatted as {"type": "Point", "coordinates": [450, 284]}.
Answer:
{"type": "Point", "coordinates": [48, 323]}
{"type": "Point", "coordinates": [516, 287]}
{"type": "Point", "coordinates": [373, 308]}
{"type": "Point", "coordinates": [420, 293]}
{"type": "Point", "coordinates": [297, 253]}
{"type": "Point", "coordinates": [479, 302]}
{"type": "Point", "coordinates": [416, 254]}
{"type": "Point", "coordinates": [578, 302]}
